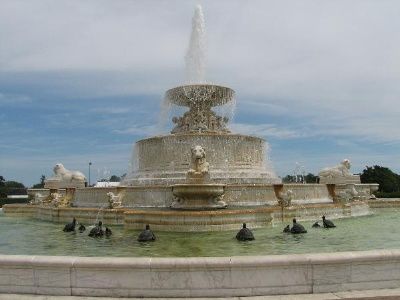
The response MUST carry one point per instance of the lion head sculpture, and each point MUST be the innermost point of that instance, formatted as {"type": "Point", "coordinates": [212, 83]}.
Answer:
{"type": "Point", "coordinates": [346, 166]}
{"type": "Point", "coordinates": [198, 152]}
{"type": "Point", "coordinates": [199, 163]}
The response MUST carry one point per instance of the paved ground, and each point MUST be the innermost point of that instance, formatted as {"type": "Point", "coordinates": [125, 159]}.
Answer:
{"type": "Point", "coordinates": [388, 294]}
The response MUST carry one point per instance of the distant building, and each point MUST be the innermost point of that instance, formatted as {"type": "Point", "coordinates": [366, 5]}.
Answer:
{"type": "Point", "coordinates": [17, 196]}
{"type": "Point", "coordinates": [102, 184]}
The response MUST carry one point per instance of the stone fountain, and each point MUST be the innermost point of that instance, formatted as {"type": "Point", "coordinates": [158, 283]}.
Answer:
{"type": "Point", "coordinates": [200, 176]}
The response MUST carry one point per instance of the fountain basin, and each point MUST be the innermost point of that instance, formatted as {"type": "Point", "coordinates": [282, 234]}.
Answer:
{"type": "Point", "coordinates": [208, 95]}
{"type": "Point", "coordinates": [198, 196]}
{"type": "Point", "coordinates": [233, 159]}
{"type": "Point", "coordinates": [238, 271]}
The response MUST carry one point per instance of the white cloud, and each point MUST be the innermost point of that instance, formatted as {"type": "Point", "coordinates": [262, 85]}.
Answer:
{"type": "Point", "coordinates": [335, 65]}
{"type": "Point", "coordinates": [139, 130]}
{"type": "Point", "coordinates": [265, 130]}
{"type": "Point", "coordinates": [315, 68]}
{"type": "Point", "coordinates": [6, 99]}
{"type": "Point", "coordinates": [112, 110]}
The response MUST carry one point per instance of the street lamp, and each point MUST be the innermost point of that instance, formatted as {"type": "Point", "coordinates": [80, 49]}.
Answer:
{"type": "Point", "coordinates": [90, 163]}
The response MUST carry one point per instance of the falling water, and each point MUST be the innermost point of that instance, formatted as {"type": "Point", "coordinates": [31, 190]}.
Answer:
{"type": "Point", "coordinates": [195, 55]}
{"type": "Point", "coordinates": [164, 116]}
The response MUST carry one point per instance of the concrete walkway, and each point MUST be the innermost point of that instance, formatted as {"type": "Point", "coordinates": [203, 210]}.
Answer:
{"type": "Point", "coordinates": [384, 294]}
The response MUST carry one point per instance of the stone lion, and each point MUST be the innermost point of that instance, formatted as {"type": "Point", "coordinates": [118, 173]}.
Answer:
{"type": "Point", "coordinates": [199, 163]}
{"type": "Point", "coordinates": [66, 175]}
{"type": "Point", "coordinates": [341, 170]}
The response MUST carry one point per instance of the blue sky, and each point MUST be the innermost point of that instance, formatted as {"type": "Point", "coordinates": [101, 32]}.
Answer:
{"type": "Point", "coordinates": [82, 81]}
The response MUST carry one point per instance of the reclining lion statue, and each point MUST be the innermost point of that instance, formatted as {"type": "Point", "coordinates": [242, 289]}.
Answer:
{"type": "Point", "coordinates": [64, 178]}
{"type": "Point", "coordinates": [341, 170]}
{"type": "Point", "coordinates": [66, 175]}
{"type": "Point", "coordinates": [339, 174]}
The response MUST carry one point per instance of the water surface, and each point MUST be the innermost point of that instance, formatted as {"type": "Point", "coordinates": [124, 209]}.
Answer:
{"type": "Point", "coordinates": [32, 237]}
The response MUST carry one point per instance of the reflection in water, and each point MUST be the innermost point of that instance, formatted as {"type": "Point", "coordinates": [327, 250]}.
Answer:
{"type": "Point", "coordinates": [28, 236]}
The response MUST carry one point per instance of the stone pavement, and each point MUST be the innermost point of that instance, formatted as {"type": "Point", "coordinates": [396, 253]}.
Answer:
{"type": "Point", "coordinates": [383, 294]}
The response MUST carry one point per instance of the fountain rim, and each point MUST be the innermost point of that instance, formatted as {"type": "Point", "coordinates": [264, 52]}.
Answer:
{"type": "Point", "coordinates": [248, 260]}
{"type": "Point", "coordinates": [198, 134]}
{"type": "Point", "coordinates": [176, 94]}
{"type": "Point", "coordinates": [183, 267]}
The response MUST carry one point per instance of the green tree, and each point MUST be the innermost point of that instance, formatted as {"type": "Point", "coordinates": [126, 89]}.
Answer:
{"type": "Point", "coordinates": [115, 178]}
{"type": "Point", "coordinates": [289, 179]}
{"type": "Point", "coordinates": [311, 178]}
{"type": "Point", "coordinates": [11, 187]}
{"type": "Point", "coordinates": [3, 190]}
{"type": "Point", "coordinates": [14, 184]}
{"type": "Point", "coordinates": [41, 184]}
{"type": "Point", "coordinates": [389, 182]}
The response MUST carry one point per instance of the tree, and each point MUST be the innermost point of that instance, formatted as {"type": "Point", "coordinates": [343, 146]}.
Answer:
{"type": "Point", "coordinates": [3, 190]}
{"type": "Point", "coordinates": [389, 181]}
{"type": "Point", "coordinates": [41, 184]}
{"type": "Point", "coordinates": [115, 178]}
{"type": "Point", "coordinates": [13, 187]}
{"type": "Point", "coordinates": [311, 178]}
{"type": "Point", "coordinates": [289, 179]}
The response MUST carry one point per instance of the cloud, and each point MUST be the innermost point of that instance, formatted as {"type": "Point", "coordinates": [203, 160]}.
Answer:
{"type": "Point", "coordinates": [112, 110]}
{"type": "Point", "coordinates": [141, 130]}
{"type": "Point", "coordinates": [303, 72]}
{"type": "Point", "coordinates": [12, 99]}
{"type": "Point", "coordinates": [265, 130]}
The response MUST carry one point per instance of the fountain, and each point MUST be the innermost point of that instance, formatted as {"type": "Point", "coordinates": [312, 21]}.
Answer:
{"type": "Point", "coordinates": [200, 177]}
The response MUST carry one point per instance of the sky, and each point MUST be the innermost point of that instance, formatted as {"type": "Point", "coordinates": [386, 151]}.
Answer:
{"type": "Point", "coordinates": [81, 81]}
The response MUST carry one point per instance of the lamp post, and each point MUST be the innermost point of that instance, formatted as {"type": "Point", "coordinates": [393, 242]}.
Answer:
{"type": "Point", "coordinates": [90, 163]}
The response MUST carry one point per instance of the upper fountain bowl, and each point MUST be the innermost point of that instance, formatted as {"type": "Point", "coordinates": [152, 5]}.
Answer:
{"type": "Point", "coordinates": [208, 95]}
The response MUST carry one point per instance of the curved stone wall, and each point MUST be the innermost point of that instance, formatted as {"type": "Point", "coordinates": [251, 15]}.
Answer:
{"type": "Point", "coordinates": [200, 276]}
{"type": "Point", "coordinates": [233, 158]}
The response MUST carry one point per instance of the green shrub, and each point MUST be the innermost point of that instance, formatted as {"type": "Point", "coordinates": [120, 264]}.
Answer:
{"type": "Point", "coordinates": [387, 195]}
{"type": "Point", "coordinates": [12, 201]}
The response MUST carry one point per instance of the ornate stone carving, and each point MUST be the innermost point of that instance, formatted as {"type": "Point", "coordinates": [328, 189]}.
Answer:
{"type": "Point", "coordinates": [198, 121]}
{"type": "Point", "coordinates": [338, 174]}
{"type": "Point", "coordinates": [200, 99]}
{"type": "Point", "coordinates": [115, 201]}
{"type": "Point", "coordinates": [38, 198]}
{"type": "Point", "coordinates": [346, 193]}
{"type": "Point", "coordinates": [64, 178]}
{"type": "Point", "coordinates": [285, 198]}
{"type": "Point", "coordinates": [55, 199]}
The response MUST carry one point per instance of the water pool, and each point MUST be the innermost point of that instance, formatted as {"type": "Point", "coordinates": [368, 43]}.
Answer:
{"type": "Point", "coordinates": [27, 236]}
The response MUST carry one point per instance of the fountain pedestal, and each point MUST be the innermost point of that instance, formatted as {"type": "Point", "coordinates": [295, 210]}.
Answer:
{"type": "Point", "coordinates": [198, 196]}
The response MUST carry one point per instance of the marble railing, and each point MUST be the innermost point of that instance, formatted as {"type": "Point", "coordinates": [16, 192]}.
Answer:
{"type": "Point", "coordinates": [200, 277]}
